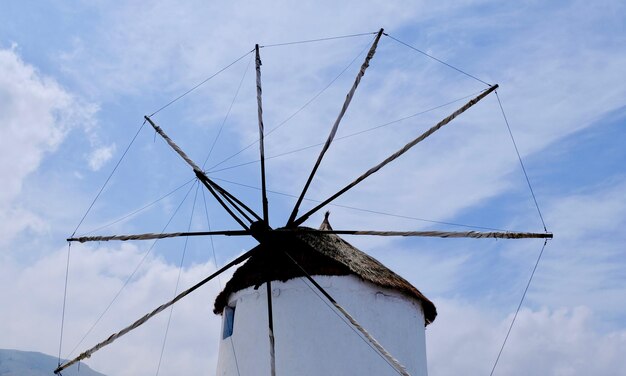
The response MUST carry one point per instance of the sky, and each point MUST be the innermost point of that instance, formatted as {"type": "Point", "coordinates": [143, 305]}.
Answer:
{"type": "Point", "coordinates": [77, 77]}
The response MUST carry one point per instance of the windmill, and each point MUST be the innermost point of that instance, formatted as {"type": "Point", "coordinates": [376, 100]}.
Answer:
{"type": "Point", "coordinates": [297, 252]}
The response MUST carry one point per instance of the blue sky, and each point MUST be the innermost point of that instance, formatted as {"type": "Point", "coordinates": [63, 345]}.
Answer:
{"type": "Point", "coordinates": [76, 79]}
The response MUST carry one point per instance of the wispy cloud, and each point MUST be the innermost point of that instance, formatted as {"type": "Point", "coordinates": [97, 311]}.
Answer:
{"type": "Point", "coordinates": [100, 156]}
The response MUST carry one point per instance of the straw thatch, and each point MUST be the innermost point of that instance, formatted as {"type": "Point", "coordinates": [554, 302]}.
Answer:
{"type": "Point", "coordinates": [318, 254]}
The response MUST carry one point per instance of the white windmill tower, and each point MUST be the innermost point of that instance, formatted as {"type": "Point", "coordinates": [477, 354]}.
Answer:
{"type": "Point", "coordinates": [278, 329]}
{"type": "Point", "coordinates": [311, 339]}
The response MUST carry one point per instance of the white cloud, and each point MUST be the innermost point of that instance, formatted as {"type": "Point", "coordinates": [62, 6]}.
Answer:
{"type": "Point", "coordinates": [100, 156]}
{"type": "Point", "coordinates": [95, 277]}
{"type": "Point", "coordinates": [574, 325]}
{"type": "Point", "coordinates": [36, 113]}
{"type": "Point", "coordinates": [466, 339]}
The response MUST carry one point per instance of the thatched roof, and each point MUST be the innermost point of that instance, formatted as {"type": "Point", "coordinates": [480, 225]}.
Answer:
{"type": "Point", "coordinates": [318, 254]}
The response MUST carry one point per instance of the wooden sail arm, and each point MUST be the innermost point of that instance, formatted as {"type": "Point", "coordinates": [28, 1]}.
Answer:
{"type": "Point", "coordinates": [148, 236]}
{"type": "Point", "coordinates": [173, 145]}
{"type": "Point", "coordinates": [259, 92]}
{"type": "Point", "coordinates": [264, 202]}
{"type": "Point", "coordinates": [435, 234]}
{"type": "Point", "coordinates": [161, 308]}
{"type": "Point", "coordinates": [397, 154]}
{"type": "Point", "coordinates": [331, 136]}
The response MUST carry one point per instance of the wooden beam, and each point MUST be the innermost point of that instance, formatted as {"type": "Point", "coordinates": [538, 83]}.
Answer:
{"type": "Point", "coordinates": [161, 308]}
{"type": "Point", "coordinates": [435, 234]}
{"type": "Point", "coordinates": [148, 236]}
{"type": "Point", "coordinates": [333, 131]}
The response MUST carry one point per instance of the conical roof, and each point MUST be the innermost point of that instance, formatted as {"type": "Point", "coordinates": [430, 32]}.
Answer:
{"type": "Point", "coordinates": [318, 254]}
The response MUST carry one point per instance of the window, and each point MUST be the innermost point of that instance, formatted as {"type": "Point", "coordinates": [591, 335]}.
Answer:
{"type": "Point", "coordinates": [229, 320]}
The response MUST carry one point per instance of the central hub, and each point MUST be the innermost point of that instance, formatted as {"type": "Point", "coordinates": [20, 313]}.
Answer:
{"type": "Point", "coordinates": [260, 231]}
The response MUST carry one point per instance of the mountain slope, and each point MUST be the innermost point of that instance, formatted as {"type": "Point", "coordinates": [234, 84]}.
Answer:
{"type": "Point", "coordinates": [29, 363]}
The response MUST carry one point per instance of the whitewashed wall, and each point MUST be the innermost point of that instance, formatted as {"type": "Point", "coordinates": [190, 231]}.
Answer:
{"type": "Point", "coordinates": [311, 338]}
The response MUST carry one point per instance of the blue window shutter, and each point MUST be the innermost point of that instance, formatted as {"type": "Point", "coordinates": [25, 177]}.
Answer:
{"type": "Point", "coordinates": [229, 320]}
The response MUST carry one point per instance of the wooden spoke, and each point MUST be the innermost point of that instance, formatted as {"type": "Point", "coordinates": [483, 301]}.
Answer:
{"type": "Point", "coordinates": [270, 320]}
{"type": "Point", "coordinates": [156, 311]}
{"type": "Point", "coordinates": [333, 131]}
{"type": "Point", "coordinates": [148, 236]}
{"type": "Point", "coordinates": [259, 102]}
{"type": "Point", "coordinates": [436, 234]}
